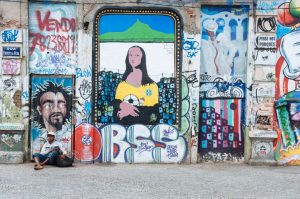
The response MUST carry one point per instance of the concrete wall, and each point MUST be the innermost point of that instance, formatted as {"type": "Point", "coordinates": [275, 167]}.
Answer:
{"type": "Point", "coordinates": [67, 44]}
{"type": "Point", "coordinates": [14, 38]}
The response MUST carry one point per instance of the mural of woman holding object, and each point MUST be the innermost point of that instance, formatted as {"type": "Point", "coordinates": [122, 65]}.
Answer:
{"type": "Point", "coordinates": [136, 99]}
{"type": "Point", "coordinates": [130, 88]}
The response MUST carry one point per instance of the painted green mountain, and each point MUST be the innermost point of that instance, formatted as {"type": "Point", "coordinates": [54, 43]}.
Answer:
{"type": "Point", "coordinates": [138, 32]}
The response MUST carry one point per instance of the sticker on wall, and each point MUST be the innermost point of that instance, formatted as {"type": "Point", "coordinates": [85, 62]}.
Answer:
{"type": "Point", "coordinates": [11, 35]}
{"type": "Point", "coordinates": [11, 51]}
{"type": "Point", "coordinates": [10, 83]}
{"type": "Point", "coordinates": [141, 84]}
{"type": "Point", "coordinates": [51, 109]}
{"type": "Point", "coordinates": [11, 66]}
{"type": "Point", "coordinates": [265, 49]}
{"type": "Point", "coordinates": [266, 24]}
{"type": "Point", "coordinates": [224, 47]}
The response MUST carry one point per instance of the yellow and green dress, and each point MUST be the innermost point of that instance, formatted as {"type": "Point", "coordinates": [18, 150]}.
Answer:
{"type": "Point", "coordinates": [144, 97]}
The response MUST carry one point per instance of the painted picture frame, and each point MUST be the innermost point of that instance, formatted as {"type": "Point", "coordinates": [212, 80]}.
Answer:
{"type": "Point", "coordinates": [152, 95]}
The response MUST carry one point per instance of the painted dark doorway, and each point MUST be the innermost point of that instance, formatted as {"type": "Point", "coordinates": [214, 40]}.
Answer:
{"type": "Point", "coordinates": [222, 94]}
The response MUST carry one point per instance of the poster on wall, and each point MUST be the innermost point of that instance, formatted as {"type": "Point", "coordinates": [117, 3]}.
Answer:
{"type": "Point", "coordinates": [224, 51]}
{"type": "Point", "coordinates": [51, 110]}
{"type": "Point", "coordinates": [220, 126]}
{"type": "Point", "coordinates": [52, 38]}
{"type": "Point", "coordinates": [287, 93]}
{"type": "Point", "coordinates": [10, 88]}
{"type": "Point", "coordinates": [12, 51]}
{"type": "Point", "coordinates": [138, 74]}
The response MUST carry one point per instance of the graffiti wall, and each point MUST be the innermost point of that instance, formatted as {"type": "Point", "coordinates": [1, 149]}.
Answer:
{"type": "Point", "coordinates": [53, 55]}
{"type": "Point", "coordinates": [51, 110]}
{"type": "Point", "coordinates": [223, 75]}
{"type": "Point", "coordinates": [10, 64]}
{"type": "Point", "coordinates": [137, 89]}
{"type": "Point", "coordinates": [52, 38]}
{"type": "Point", "coordinates": [287, 149]}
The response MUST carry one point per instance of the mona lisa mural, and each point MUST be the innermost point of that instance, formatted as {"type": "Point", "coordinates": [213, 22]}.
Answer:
{"type": "Point", "coordinates": [137, 67]}
{"type": "Point", "coordinates": [137, 85]}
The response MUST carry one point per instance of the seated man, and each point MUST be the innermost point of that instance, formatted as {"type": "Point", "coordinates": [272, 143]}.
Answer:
{"type": "Point", "coordinates": [49, 152]}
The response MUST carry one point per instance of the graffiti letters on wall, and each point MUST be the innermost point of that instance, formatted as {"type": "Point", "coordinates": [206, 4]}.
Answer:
{"type": "Point", "coordinates": [266, 24]}
{"type": "Point", "coordinates": [265, 49]}
{"type": "Point", "coordinates": [264, 7]}
{"type": "Point", "coordinates": [222, 75]}
{"type": "Point", "coordinates": [287, 92]}
{"type": "Point", "coordinates": [11, 35]}
{"type": "Point", "coordinates": [52, 35]}
{"type": "Point", "coordinates": [11, 66]}
{"type": "Point", "coordinates": [135, 144]}
{"type": "Point", "coordinates": [138, 144]}
{"type": "Point", "coordinates": [51, 109]}
{"type": "Point", "coordinates": [140, 85]}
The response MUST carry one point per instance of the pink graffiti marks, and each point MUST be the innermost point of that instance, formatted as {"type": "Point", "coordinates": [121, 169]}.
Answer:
{"type": "Point", "coordinates": [64, 25]}
{"type": "Point", "coordinates": [58, 41]}
{"type": "Point", "coordinates": [11, 66]}
{"type": "Point", "coordinates": [9, 24]}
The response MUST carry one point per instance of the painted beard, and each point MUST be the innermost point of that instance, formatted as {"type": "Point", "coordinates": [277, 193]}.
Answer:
{"type": "Point", "coordinates": [56, 120]}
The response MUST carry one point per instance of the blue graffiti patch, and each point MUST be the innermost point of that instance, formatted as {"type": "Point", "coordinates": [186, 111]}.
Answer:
{"type": "Point", "coordinates": [10, 35]}
{"type": "Point", "coordinates": [148, 92]}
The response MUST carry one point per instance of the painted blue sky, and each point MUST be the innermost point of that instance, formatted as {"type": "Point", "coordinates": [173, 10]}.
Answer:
{"type": "Point", "coordinates": [121, 22]}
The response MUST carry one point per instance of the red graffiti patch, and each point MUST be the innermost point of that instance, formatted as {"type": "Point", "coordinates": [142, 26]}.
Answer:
{"type": "Point", "coordinates": [88, 143]}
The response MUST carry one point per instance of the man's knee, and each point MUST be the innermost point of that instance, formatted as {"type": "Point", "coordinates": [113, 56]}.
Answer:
{"type": "Point", "coordinates": [36, 155]}
{"type": "Point", "coordinates": [53, 155]}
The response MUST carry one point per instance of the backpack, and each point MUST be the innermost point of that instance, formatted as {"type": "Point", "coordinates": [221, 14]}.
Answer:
{"type": "Point", "coordinates": [66, 162]}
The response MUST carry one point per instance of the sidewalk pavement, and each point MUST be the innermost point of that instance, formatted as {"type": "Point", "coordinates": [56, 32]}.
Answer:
{"type": "Point", "coordinates": [209, 180]}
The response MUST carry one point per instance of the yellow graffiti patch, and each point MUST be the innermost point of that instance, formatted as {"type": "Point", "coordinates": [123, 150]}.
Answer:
{"type": "Point", "coordinates": [144, 95]}
{"type": "Point", "coordinates": [290, 156]}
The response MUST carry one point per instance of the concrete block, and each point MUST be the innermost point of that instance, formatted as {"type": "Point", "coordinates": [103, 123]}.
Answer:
{"type": "Point", "coordinates": [11, 157]}
{"type": "Point", "coordinates": [262, 147]}
{"type": "Point", "coordinates": [259, 133]}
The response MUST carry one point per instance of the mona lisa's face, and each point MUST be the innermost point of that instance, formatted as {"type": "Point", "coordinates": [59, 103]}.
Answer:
{"type": "Point", "coordinates": [135, 56]}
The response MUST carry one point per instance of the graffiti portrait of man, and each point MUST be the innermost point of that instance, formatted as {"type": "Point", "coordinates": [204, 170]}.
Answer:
{"type": "Point", "coordinates": [50, 103]}
{"type": "Point", "coordinates": [51, 110]}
